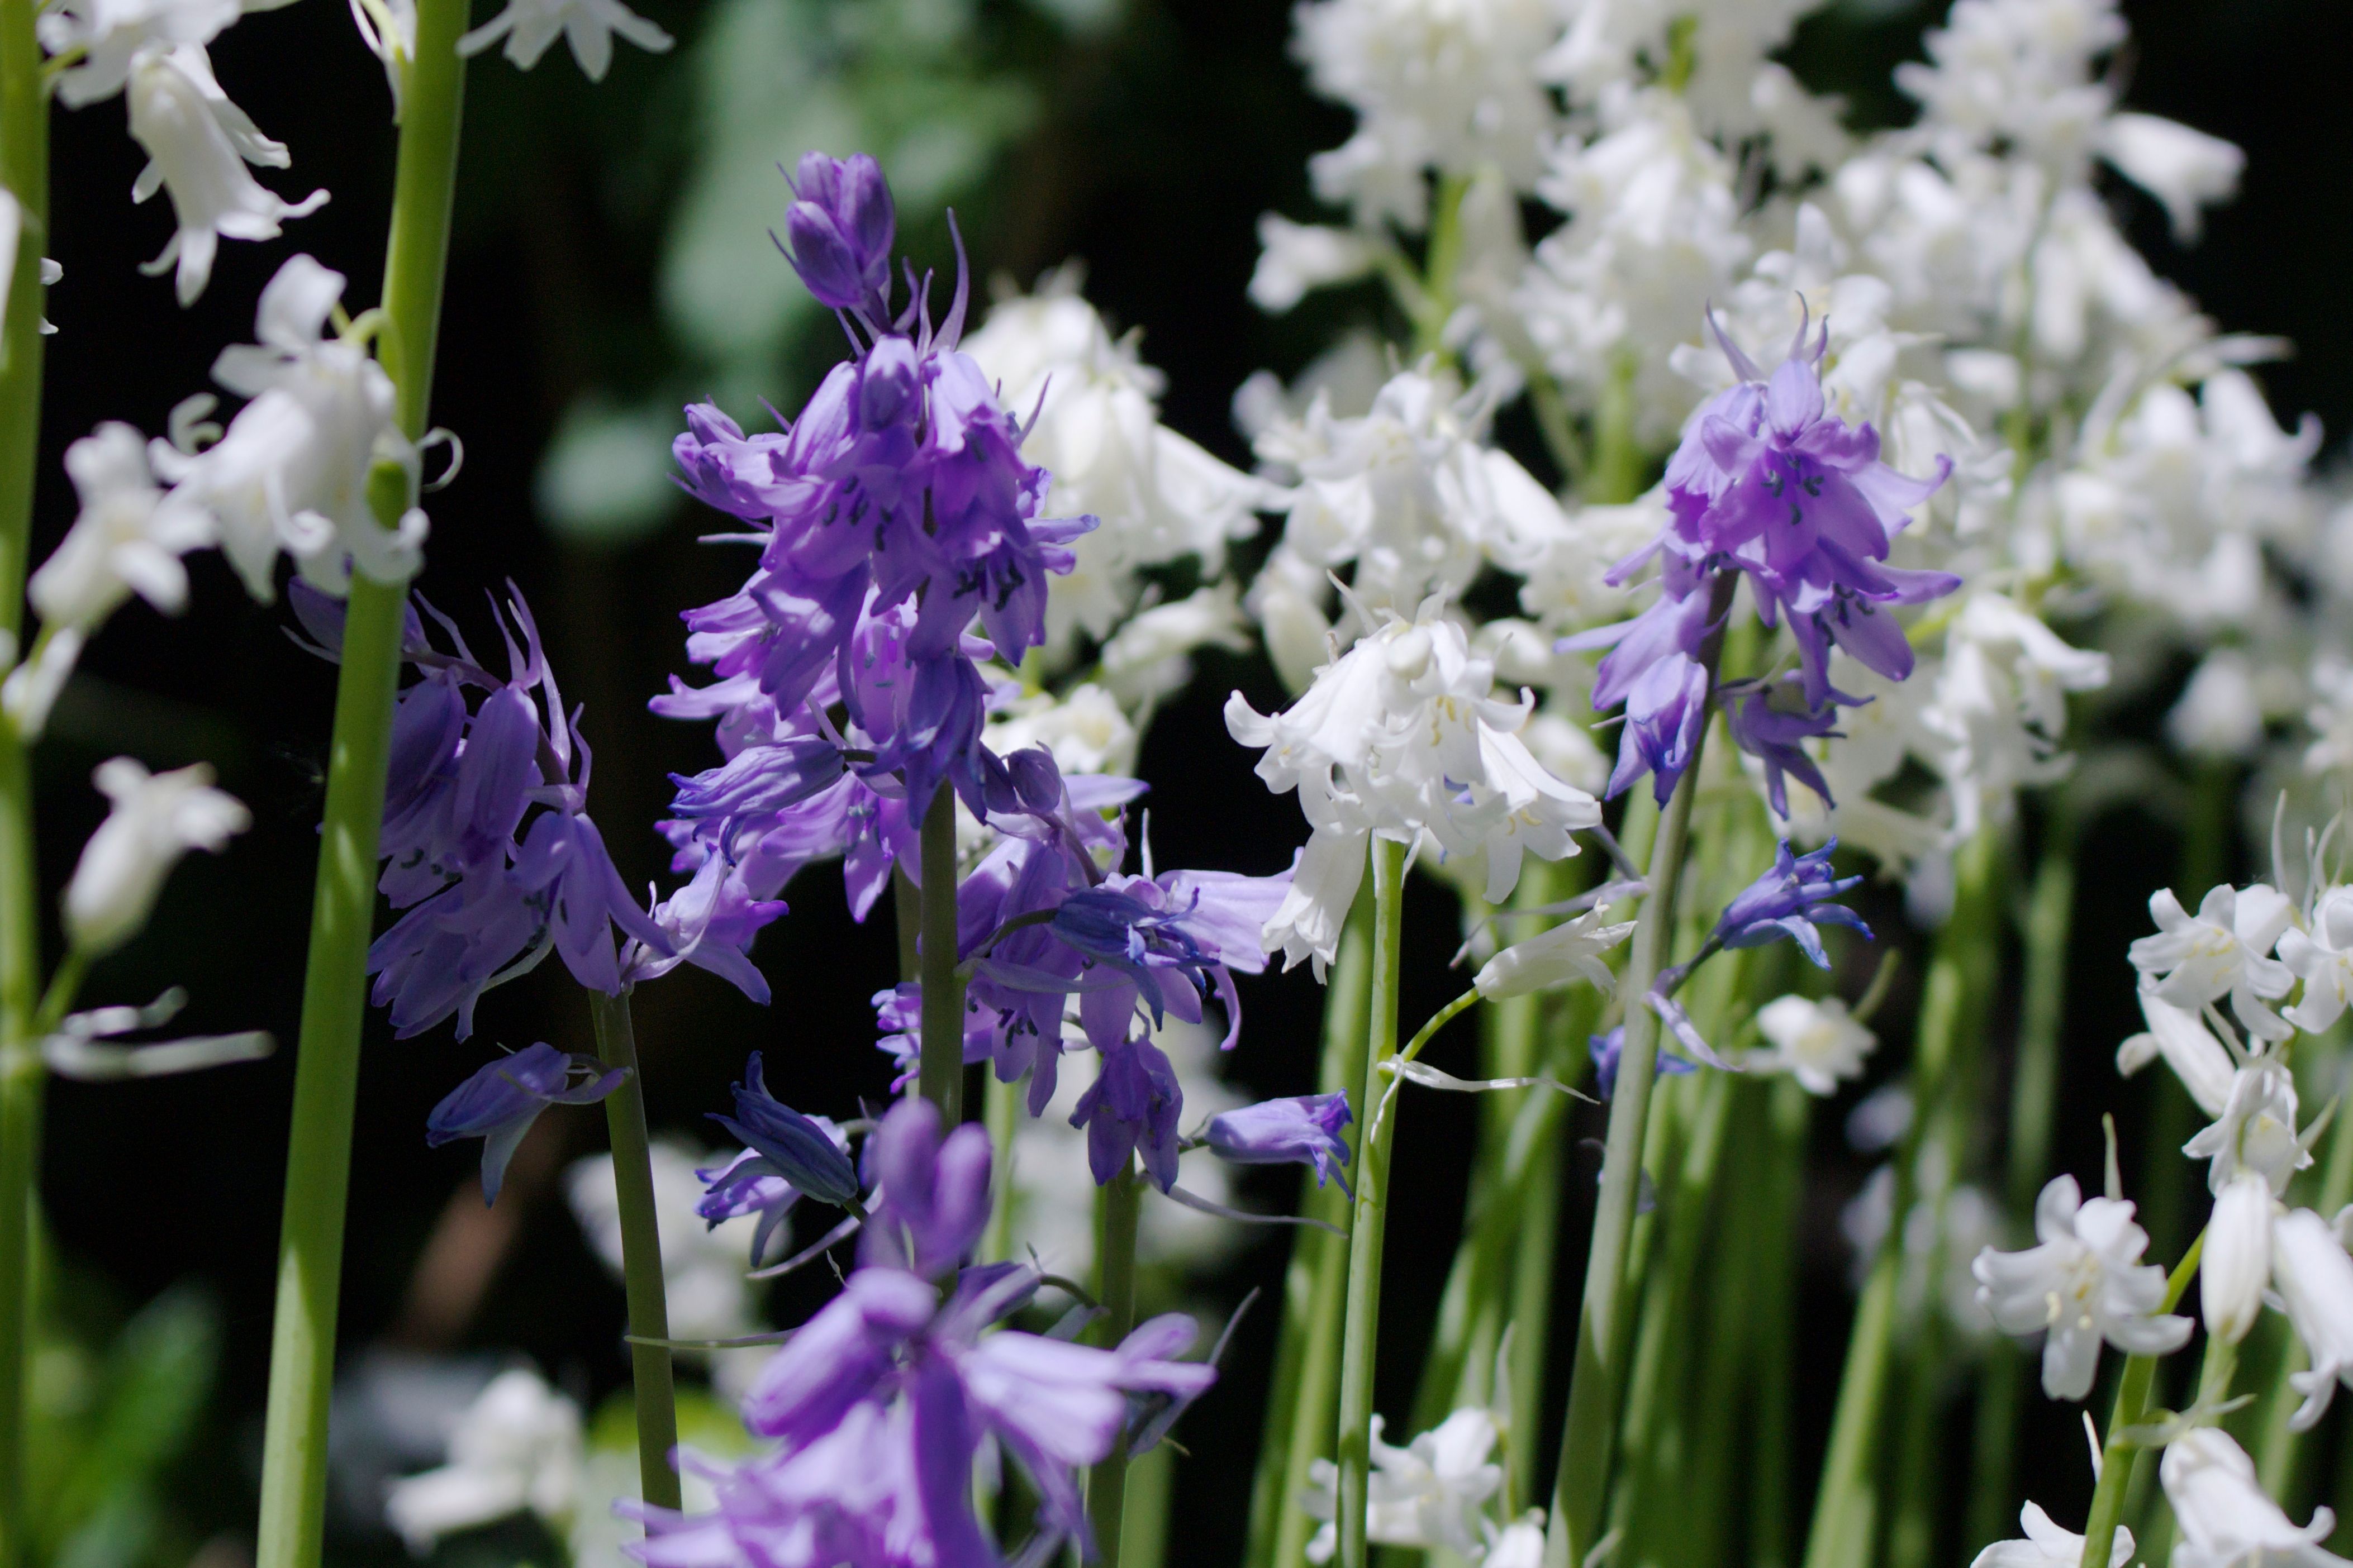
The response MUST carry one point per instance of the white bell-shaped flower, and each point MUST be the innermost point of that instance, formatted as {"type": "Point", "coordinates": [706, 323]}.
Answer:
{"type": "Point", "coordinates": [2082, 1284]}
{"type": "Point", "coordinates": [2256, 1134]}
{"type": "Point", "coordinates": [127, 539]}
{"type": "Point", "coordinates": [198, 144]}
{"type": "Point", "coordinates": [1427, 1493]}
{"type": "Point", "coordinates": [2226, 1520]}
{"type": "Point", "coordinates": [155, 819]}
{"type": "Point", "coordinates": [107, 35]}
{"type": "Point", "coordinates": [529, 26]}
{"type": "Point", "coordinates": [516, 1449]}
{"type": "Point", "coordinates": [1556, 957]}
{"type": "Point", "coordinates": [2314, 1279]}
{"type": "Point", "coordinates": [2202, 1062]}
{"type": "Point", "coordinates": [1815, 1042]}
{"type": "Point", "coordinates": [2221, 952]}
{"type": "Point", "coordinates": [1401, 737]}
{"type": "Point", "coordinates": [2047, 1545]}
{"type": "Point", "coordinates": [292, 471]}
{"type": "Point", "coordinates": [2322, 957]}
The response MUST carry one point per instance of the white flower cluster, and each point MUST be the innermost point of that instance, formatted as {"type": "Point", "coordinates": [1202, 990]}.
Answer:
{"type": "Point", "coordinates": [2252, 948]}
{"type": "Point", "coordinates": [1400, 738]}
{"type": "Point", "coordinates": [292, 474]}
{"type": "Point", "coordinates": [2110, 451]}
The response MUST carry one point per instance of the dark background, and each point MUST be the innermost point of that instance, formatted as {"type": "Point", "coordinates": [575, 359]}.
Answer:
{"type": "Point", "coordinates": [1155, 145]}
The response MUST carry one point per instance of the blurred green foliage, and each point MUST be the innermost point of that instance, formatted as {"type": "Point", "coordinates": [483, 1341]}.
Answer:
{"type": "Point", "coordinates": [115, 1414]}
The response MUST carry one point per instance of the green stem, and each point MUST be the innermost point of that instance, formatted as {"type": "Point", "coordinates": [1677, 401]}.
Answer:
{"type": "Point", "coordinates": [2131, 1405]}
{"type": "Point", "coordinates": [1788, 1117]}
{"type": "Point", "coordinates": [1118, 1203]}
{"type": "Point", "coordinates": [1588, 1436]}
{"type": "Point", "coordinates": [650, 1369]}
{"type": "Point", "coordinates": [940, 1078]}
{"type": "Point", "coordinates": [2283, 1459]}
{"type": "Point", "coordinates": [326, 1070]}
{"type": "Point", "coordinates": [1847, 1506]}
{"type": "Point", "coordinates": [1616, 475]}
{"type": "Point", "coordinates": [1302, 1408]}
{"type": "Point", "coordinates": [1001, 1110]}
{"type": "Point", "coordinates": [25, 173]}
{"type": "Point", "coordinates": [907, 904]}
{"type": "Point", "coordinates": [2050, 919]}
{"type": "Point", "coordinates": [1473, 1309]}
{"type": "Point", "coordinates": [1361, 1321]}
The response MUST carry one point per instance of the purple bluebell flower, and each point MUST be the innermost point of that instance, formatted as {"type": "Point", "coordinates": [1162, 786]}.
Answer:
{"type": "Point", "coordinates": [1607, 1049]}
{"type": "Point", "coordinates": [840, 227]}
{"type": "Point", "coordinates": [1790, 901]}
{"type": "Point", "coordinates": [809, 1151]}
{"type": "Point", "coordinates": [1769, 482]}
{"type": "Point", "coordinates": [500, 1102]}
{"type": "Point", "coordinates": [745, 1186]}
{"type": "Point", "coordinates": [933, 1202]}
{"type": "Point", "coordinates": [482, 905]}
{"type": "Point", "coordinates": [1768, 720]}
{"type": "Point", "coordinates": [1301, 1128]}
{"type": "Point", "coordinates": [710, 923]}
{"type": "Point", "coordinates": [895, 517]}
{"type": "Point", "coordinates": [878, 1409]}
{"type": "Point", "coordinates": [1132, 1109]}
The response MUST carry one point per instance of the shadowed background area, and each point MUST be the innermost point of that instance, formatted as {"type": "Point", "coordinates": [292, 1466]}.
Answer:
{"type": "Point", "coordinates": [612, 262]}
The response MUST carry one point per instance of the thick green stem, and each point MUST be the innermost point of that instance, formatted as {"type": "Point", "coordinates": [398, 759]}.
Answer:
{"type": "Point", "coordinates": [1588, 1436]}
{"type": "Point", "coordinates": [1118, 1203]}
{"type": "Point", "coordinates": [25, 173]}
{"type": "Point", "coordinates": [1361, 1321]}
{"type": "Point", "coordinates": [1303, 1404]}
{"type": "Point", "coordinates": [650, 1369]}
{"type": "Point", "coordinates": [1847, 1508]}
{"type": "Point", "coordinates": [2131, 1405]}
{"type": "Point", "coordinates": [940, 1076]}
{"type": "Point", "coordinates": [326, 1072]}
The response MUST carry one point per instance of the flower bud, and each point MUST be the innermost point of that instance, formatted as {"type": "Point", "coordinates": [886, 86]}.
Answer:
{"type": "Point", "coordinates": [1556, 957]}
{"type": "Point", "coordinates": [156, 819]}
{"type": "Point", "coordinates": [2237, 1264]}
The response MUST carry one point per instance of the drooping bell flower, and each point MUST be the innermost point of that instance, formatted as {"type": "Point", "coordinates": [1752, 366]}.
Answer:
{"type": "Point", "coordinates": [499, 1104]}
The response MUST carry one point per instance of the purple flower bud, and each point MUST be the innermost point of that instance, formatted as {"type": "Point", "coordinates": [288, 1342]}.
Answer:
{"type": "Point", "coordinates": [933, 1202]}
{"type": "Point", "coordinates": [1788, 900]}
{"type": "Point", "coordinates": [499, 1104]}
{"type": "Point", "coordinates": [841, 229]}
{"type": "Point", "coordinates": [1303, 1129]}
{"type": "Point", "coordinates": [808, 1151]}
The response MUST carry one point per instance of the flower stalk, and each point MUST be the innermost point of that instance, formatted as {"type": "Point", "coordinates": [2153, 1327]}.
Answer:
{"type": "Point", "coordinates": [1119, 1203]}
{"type": "Point", "coordinates": [317, 1159]}
{"type": "Point", "coordinates": [1361, 1321]}
{"type": "Point", "coordinates": [1301, 1407]}
{"type": "Point", "coordinates": [25, 173]}
{"type": "Point", "coordinates": [940, 1076]}
{"type": "Point", "coordinates": [1597, 1379]}
{"type": "Point", "coordinates": [2119, 1451]}
{"type": "Point", "coordinates": [651, 1372]}
{"type": "Point", "coordinates": [1847, 1508]}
